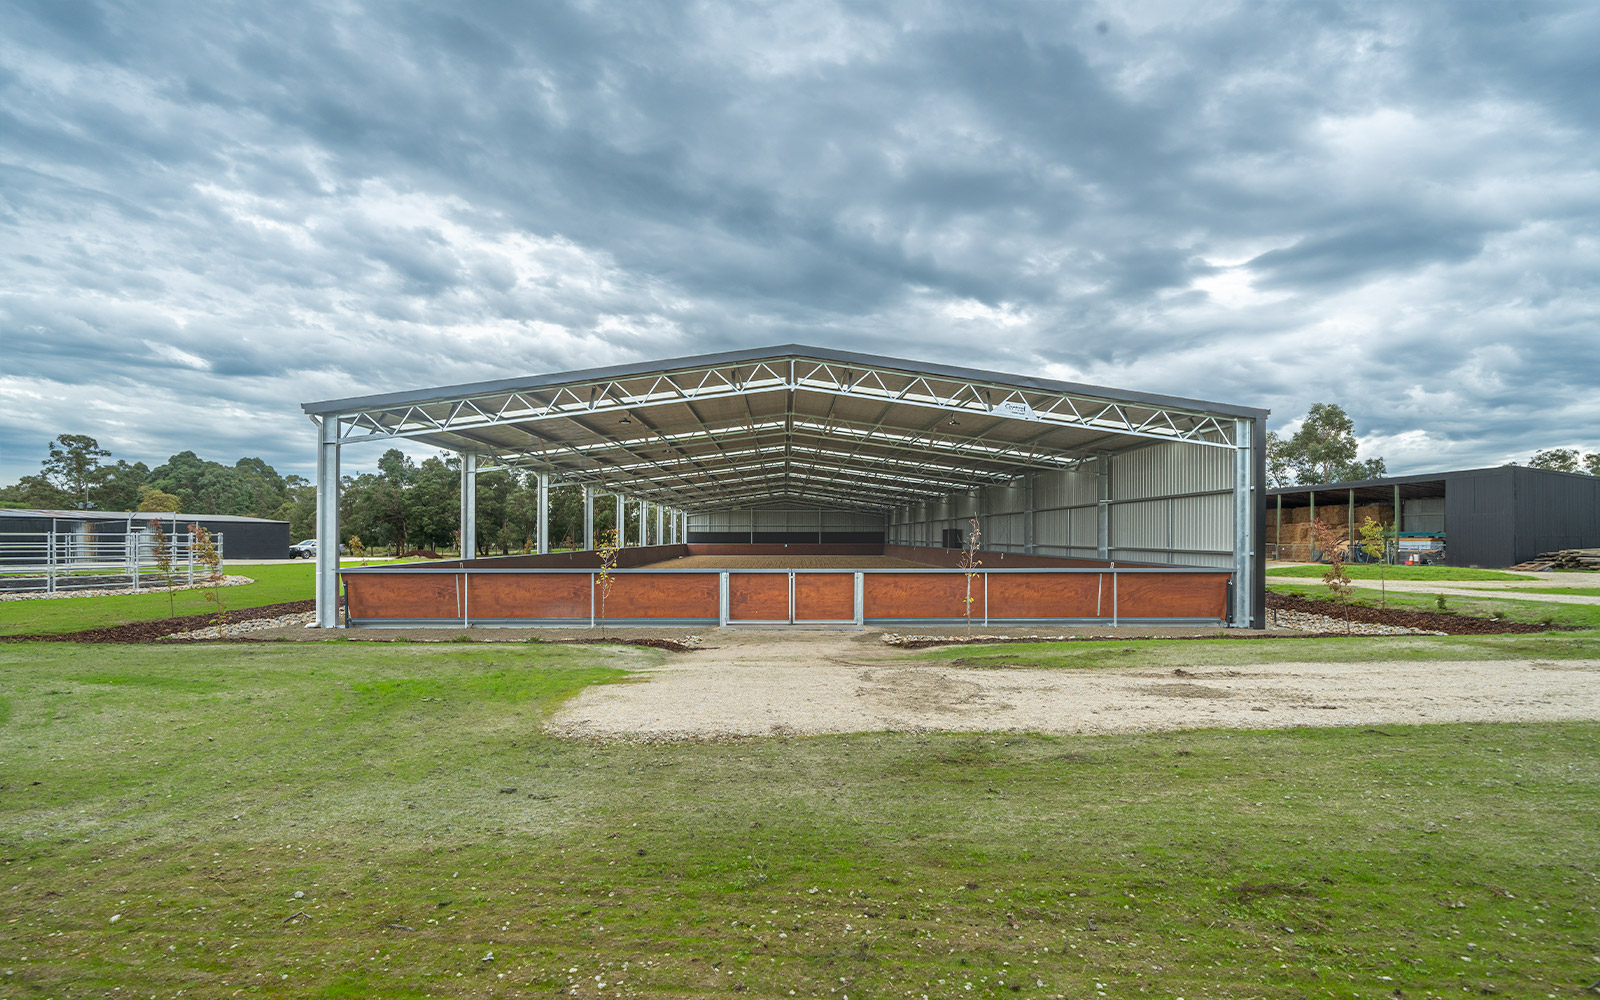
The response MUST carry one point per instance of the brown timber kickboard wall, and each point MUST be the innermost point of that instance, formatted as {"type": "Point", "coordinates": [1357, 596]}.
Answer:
{"type": "Point", "coordinates": [919, 595]}
{"type": "Point", "coordinates": [824, 597]}
{"type": "Point", "coordinates": [531, 596]}
{"type": "Point", "coordinates": [758, 597]}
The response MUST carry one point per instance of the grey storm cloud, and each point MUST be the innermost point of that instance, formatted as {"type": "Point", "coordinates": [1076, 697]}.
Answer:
{"type": "Point", "coordinates": [211, 213]}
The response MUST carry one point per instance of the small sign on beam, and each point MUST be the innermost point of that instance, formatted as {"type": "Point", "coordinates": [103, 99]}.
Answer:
{"type": "Point", "coordinates": [1017, 409]}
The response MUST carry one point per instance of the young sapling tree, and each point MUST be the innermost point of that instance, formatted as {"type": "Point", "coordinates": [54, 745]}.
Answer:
{"type": "Point", "coordinates": [1334, 545]}
{"type": "Point", "coordinates": [969, 564]}
{"type": "Point", "coordinates": [207, 554]}
{"type": "Point", "coordinates": [161, 548]}
{"type": "Point", "coordinates": [1375, 543]}
{"type": "Point", "coordinates": [608, 562]}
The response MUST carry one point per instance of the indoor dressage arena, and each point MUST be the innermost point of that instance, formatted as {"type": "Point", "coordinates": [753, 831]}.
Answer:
{"type": "Point", "coordinates": [800, 486]}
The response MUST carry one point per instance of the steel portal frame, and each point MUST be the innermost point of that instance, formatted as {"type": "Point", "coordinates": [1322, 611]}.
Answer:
{"type": "Point", "coordinates": [792, 424]}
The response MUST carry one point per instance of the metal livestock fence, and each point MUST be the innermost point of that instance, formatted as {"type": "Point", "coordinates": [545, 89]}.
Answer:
{"type": "Point", "coordinates": [59, 561]}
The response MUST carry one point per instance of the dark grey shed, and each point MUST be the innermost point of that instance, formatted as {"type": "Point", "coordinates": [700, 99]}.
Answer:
{"type": "Point", "coordinates": [1491, 517]}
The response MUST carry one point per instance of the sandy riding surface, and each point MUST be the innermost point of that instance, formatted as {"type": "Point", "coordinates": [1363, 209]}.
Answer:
{"type": "Point", "coordinates": [764, 683]}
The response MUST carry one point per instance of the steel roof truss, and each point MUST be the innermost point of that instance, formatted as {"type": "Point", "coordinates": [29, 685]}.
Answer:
{"type": "Point", "coordinates": [1164, 423]}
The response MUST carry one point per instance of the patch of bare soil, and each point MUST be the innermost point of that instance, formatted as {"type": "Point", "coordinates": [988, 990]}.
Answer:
{"type": "Point", "coordinates": [1432, 621]}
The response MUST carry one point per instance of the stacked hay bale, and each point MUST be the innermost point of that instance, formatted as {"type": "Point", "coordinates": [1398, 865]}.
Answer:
{"type": "Point", "coordinates": [1294, 541]}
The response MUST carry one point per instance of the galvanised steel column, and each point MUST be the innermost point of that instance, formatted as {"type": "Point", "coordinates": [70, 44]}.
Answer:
{"type": "Point", "coordinates": [1029, 539]}
{"type": "Point", "coordinates": [1244, 511]}
{"type": "Point", "coordinates": [544, 512]}
{"type": "Point", "coordinates": [661, 532]}
{"type": "Point", "coordinates": [469, 505]}
{"type": "Point", "coordinates": [588, 517]}
{"type": "Point", "coordinates": [1102, 544]}
{"type": "Point", "coordinates": [621, 532]}
{"type": "Point", "coordinates": [327, 521]}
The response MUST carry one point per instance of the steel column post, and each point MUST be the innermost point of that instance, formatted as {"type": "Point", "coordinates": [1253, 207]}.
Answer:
{"type": "Point", "coordinates": [1029, 538]}
{"type": "Point", "coordinates": [1278, 535]}
{"type": "Point", "coordinates": [1311, 546]}
{"type": "Point", "coordinates": [661, 514]}
{"type": "Point", "coordinates": [544, 513]}
{"type": "Point", "coordinates": [1102, 532]}
{"type": "Point", "coordinates": [1244, 508]}
{"type": "Point", "coordinates": [621, 532]}
{"type": "Point", "coordinates": [1351, 517]}
{"type": "Point", "coordinates": [588, 517]}
{"type": "Point", "coordinates": [1397, 523]}
{"type": "Point", "coordinates": [469, 505]}
{"type": "Point", "coordinates": [327, 523]}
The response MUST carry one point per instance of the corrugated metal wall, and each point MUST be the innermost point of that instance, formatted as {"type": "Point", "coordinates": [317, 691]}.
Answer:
{"type": "Point", "coordinates": [1168, 503]}
{"type": "Point", "coordinates": [1184, 509]}
{"type": "Point", "coordinates": [1555, 510]}
{"type": "Point", "coordinates": [780, 525]}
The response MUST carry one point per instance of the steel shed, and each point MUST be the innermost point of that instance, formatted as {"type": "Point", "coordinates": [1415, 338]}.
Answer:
{"type": "Point", "coordinates": [1493, 517]}
{"type": "Point", "coordinates": [783, 444]}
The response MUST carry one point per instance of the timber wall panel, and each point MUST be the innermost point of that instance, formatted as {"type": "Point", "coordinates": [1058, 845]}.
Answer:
{"type": "Point", "coordinates": [758, 597]}
{"type": "Point", "coordinates": [919, 595]}
{"type": "Point", "coordinates": [662, 595]}
{"type": "Point", "coordinates": [824, 597]}
{"type": "Point", "coordinates": [1186, 595]}
{"type": "Point", "coordinates": [529, 595]}
{"type": "Point", "coordinates": [400, 595]}
{"type": "Point", "coordinates": [1050, 595]}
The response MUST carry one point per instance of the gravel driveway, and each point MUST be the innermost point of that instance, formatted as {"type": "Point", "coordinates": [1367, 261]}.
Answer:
{"type": "Point", "coordinates": [790, 683]}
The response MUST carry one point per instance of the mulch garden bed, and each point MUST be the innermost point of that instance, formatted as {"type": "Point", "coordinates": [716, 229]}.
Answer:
{"type": "Point", "coordinates": [153, 631]}
{"type": "Point", "coordinates": [1432, 621]}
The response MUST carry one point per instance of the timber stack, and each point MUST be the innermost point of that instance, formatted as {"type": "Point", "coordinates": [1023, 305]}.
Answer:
{"type": "Point", "coordinates": [1562, 559]}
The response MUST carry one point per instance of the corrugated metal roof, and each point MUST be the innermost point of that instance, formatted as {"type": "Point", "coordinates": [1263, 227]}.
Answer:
{"type": "Point", "coordinates": [123, 515]}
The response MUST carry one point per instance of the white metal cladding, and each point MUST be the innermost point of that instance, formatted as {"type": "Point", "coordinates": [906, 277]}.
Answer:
{"type": "Point", "coordinates": [1167, 470]}
{"type": "Point", "coordinates": [1167, 503]}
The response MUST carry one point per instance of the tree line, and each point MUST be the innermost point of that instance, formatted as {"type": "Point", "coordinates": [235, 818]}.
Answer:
{"type": "Point", "coordinates": [408, 505]}
{"type": "Point", "coordinates": [1324, 450]}
{"type": "Point", "coordinates": [405, 505]}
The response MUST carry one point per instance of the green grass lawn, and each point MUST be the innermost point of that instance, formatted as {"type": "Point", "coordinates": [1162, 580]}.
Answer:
{"type": "Point", "coordinates": [341, 820]}
{"type": "Point", "coordinates": [1511, 609]}
{"type": "Point", "coordinates": [274, 584]}
{"type": "Point", "coordinates": [1370, 571]}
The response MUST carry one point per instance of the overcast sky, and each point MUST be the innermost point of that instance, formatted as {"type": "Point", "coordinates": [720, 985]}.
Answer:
{"type": "Point", "coordinates": [210, 213]}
